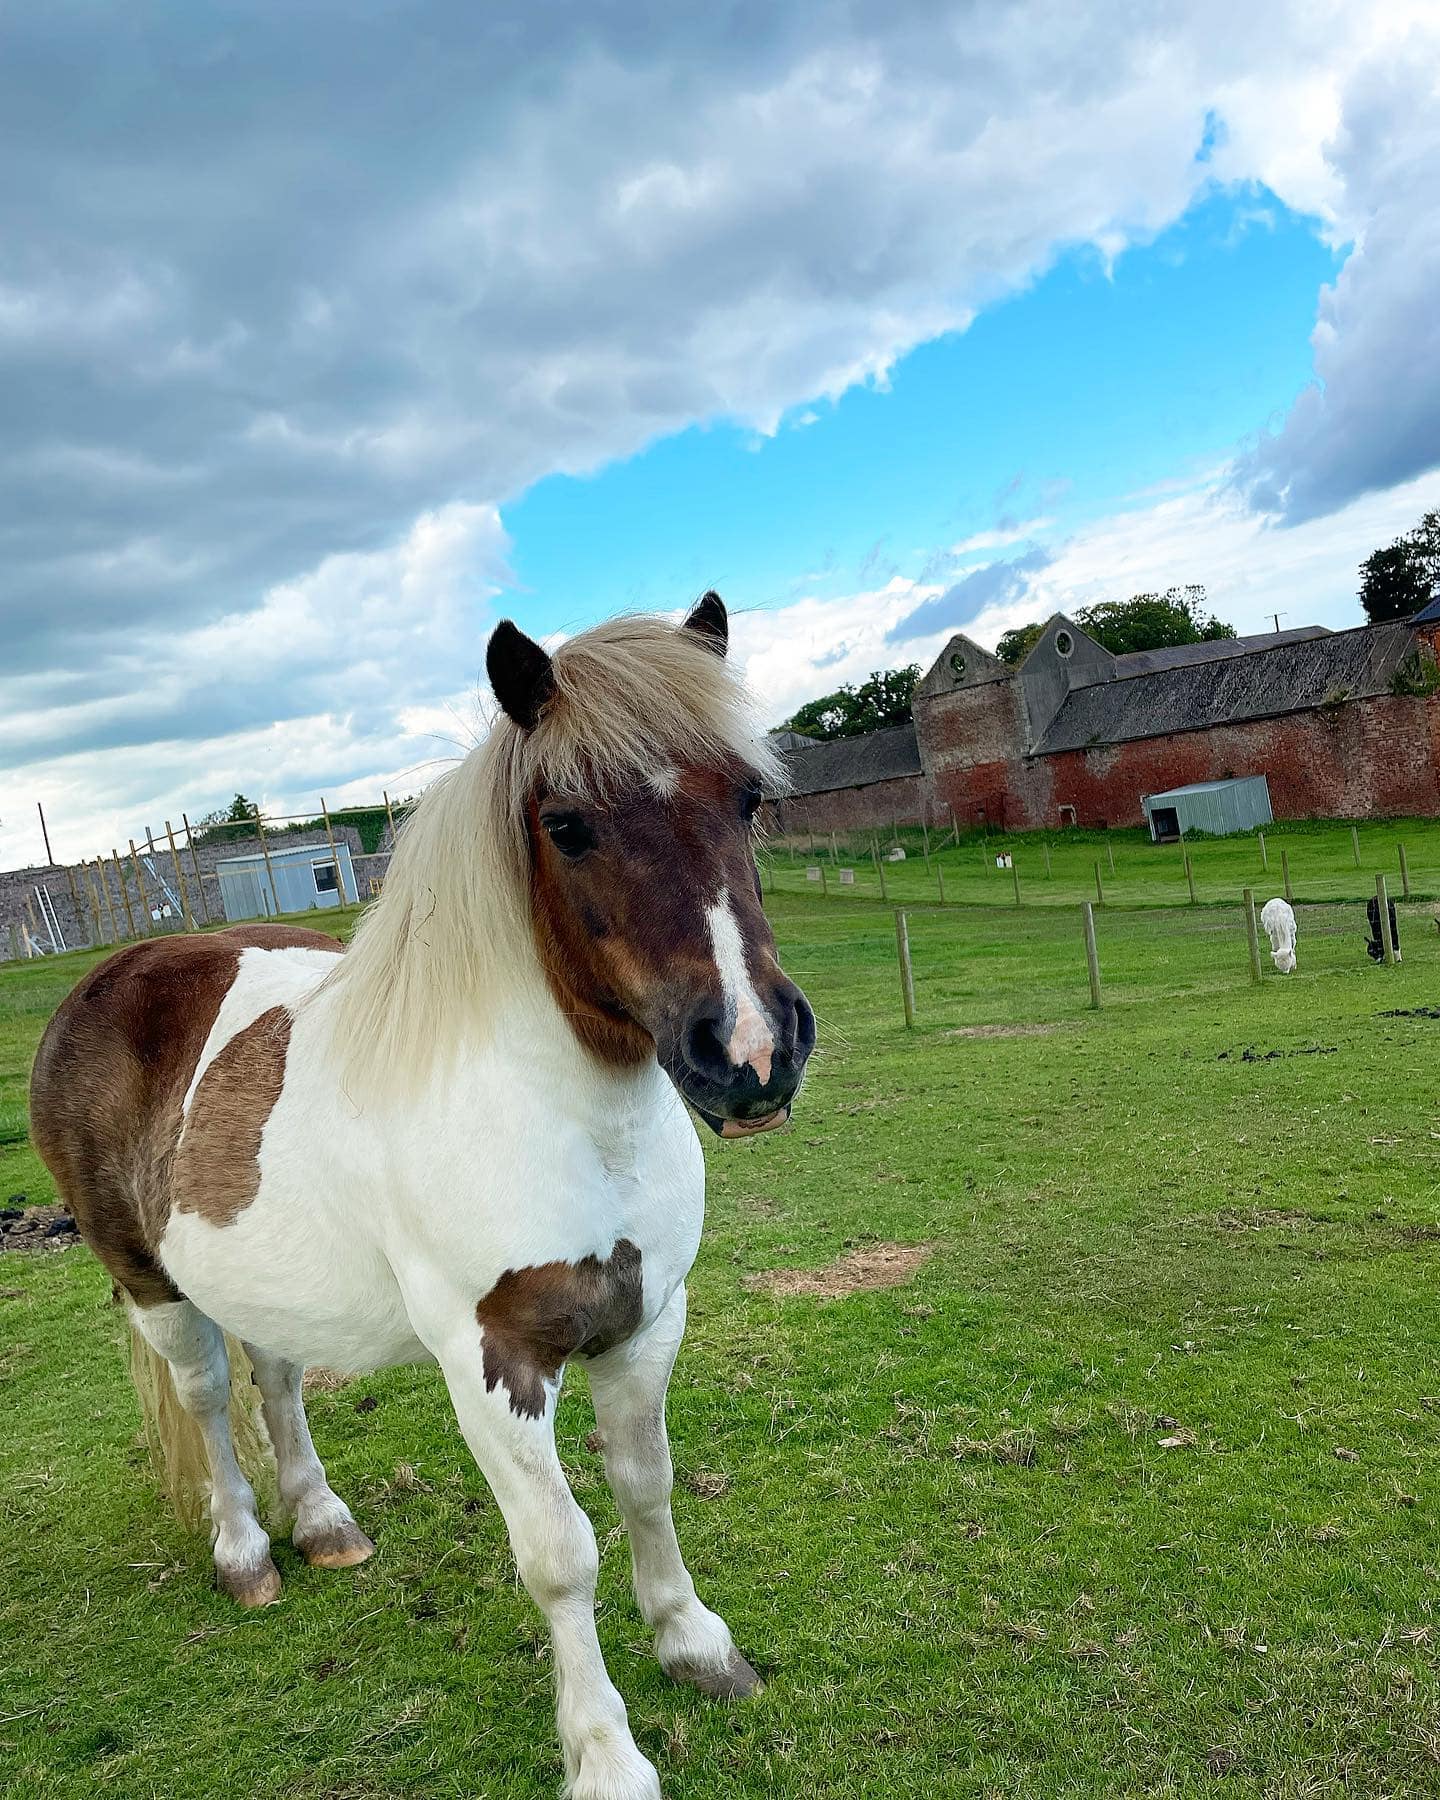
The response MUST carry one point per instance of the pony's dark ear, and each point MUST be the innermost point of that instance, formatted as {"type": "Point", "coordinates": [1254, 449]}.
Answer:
{"type": "Point", "coordinates": [520, 673]}
{"type": "Point", "coordinates": [710, 619]}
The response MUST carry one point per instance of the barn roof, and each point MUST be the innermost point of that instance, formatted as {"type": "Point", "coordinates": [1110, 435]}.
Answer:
{"type": "Point", "coordinates": [853, 762]}
{"type": "Point", "coordinates": [1293, 676]}
{"type": "Point", "coordinates": [1428, 615]}
{"type": "Point", "coordinates": [1174, 656]}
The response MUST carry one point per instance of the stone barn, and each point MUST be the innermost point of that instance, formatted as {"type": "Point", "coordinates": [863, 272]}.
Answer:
{"type": "Point", "coordinates": [1342, 724]}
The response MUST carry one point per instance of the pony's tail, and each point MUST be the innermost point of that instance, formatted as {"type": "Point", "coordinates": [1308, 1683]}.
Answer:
{"type": "Point", "coordinates": [173, 1437]}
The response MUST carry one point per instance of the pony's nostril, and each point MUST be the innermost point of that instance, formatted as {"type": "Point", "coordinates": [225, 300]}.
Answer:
{"type": "Point", "coordinates": [704, 1051]}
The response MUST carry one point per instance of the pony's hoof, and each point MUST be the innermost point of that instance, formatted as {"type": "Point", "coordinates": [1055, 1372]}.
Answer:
{"type": "Point", "coordinates": [734, 1680]}
{"type": "Point", "coordinates": [336, 1547]}
{"type": "Point", "coordinates": [252, 1587]}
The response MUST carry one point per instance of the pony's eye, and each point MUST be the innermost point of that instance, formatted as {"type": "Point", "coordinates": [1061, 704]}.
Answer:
{"type": "Point", "coordinates": [569, 833]}
{"type": "Point", "coordinates": [750, 801]}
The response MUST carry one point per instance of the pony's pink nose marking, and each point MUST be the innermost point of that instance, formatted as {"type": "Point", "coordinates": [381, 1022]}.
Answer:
{"type": "Point", "coordinates": [751, 1041]}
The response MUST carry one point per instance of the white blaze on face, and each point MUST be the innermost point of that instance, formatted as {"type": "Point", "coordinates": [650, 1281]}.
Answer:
{"type": "Point", "coordinates": [751, 1040]}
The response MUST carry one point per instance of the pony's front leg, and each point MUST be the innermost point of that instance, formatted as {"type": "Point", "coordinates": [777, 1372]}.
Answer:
{"type": "Point", "coordinates": [628, 1385]}
{"type": "Point", "coordinates": [554, 1545]}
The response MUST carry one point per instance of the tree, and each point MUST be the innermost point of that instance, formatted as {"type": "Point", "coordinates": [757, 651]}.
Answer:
{"type": "Point", "coordinates": [227, 823]}
{"type": "Point", "coordinates": [1404, 576]}
{"type": "Point", "coordinates": [1015, 646]}
{"type": "Point", "coordinates": [1143, 622]}
{"type": "Point", "coordinates": [1152, 621]}
{"type": "Point", "coordinates": [885, 699]}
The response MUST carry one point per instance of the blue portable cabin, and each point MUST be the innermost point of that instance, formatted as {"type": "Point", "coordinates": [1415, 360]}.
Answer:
{"type": "Point", "coordinates": [1215, 807]}
{"type": "Point", "coordinates": [305, 879]}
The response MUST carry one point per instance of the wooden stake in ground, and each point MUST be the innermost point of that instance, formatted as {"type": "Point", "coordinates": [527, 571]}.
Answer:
{"type": "Point", "coordinates": [104, 887]}
{"type": "Point", "coordinates": [834, 851]}
{"type": "Point", "coordinates": [1355, 844]}
{"type": "Point", "coordinates": [195, 865]}
{"type": "Point", "coordinates": [1285, 873]}
{"type": "Point", "coordinates": [124, 892]}
{"type": "Point", "coordinates": [907, 975]}
{"type": "Point", "coordinates": [1252, 937]}
{"type": "Point", "coordinates": [925, 840]}
{"type": "Point", "coordinates": [1404, 873]}
{"type": "Point", "coordinates": [954, 825]}
{"type": "Point", "coordinates": [185, 911]}
{"type": "Point", "coordinates": [272, 901]}
{"type": "Point", "coordinates": [1190, 877]}
{"type": "Point", "coordinates": [75, 899]}
{"type": "Point", "coordinates": [1099, 888]}
{"type": "Point", "coordinates": [940, 878]}
{"type": "Point", "coordinates": [880, 870]}
{"type": "Point", "coordinates": [334, 854]}
{"type": "Point", "coordinates": [146, 920]}
{"type": "Point", "coordinates": [1015, 879]}
{"type": "Point", "coordinates": [1387, 941]}
{"type": "Point", "coordinates": [1047, 862]}
{"type": "Point", "coordinates": [1110, 852]}
{"type": "Point", "coordinates": [1092, 955]}
{"type": "Point", "coordinates": [1264, 856]}
{"type": "Point", "coordinates": [824, 884]}
{"type": "Point", "coordinates": [87, 881]}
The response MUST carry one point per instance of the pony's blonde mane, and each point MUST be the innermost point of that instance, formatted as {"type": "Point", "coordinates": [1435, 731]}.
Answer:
{"type": "Point", "coordinates": [450, 939]}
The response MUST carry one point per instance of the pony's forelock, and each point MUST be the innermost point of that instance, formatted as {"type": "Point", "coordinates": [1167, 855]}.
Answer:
{"type": "Point", "coordinates": [450, 940]}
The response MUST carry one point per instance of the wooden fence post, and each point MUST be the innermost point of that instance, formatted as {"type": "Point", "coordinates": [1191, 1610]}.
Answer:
{"type": "Point", "coordinates": [1099, 888]}
{"type": "Point", "coordinates": [1047, 862]}
{"type": "Point", "coordinates": [1015, 879]}
{"type": "Point", "coordinates": [124, 892]}
{"type": "Point", "coordinates": [185, 912]}
{"type": "Point", "coordinates": [335, 856]}
{"type": "Point", "coordinates": [1387, 942]}
{"type": "Point", "coordinates": [1109, 851]}
{"type": "Point", "coordinates": [111, 911]}
{"type": "Point", "coordinates": [195, 865]}
{"type": "Point", "coordinates": [834, 852]}
{"type": "Point", "coordinates": [907, 976]}
{"type": "Point", "coordinates": [1355, 843]}
{"type": "Point", "coordinates": [1252, 937]}
{"type": "Point", "coordinates": [139, 873]}
{"type": "Point", "coordinates": [1285, 871]}
{"type": "Point", "coordinates": [1092, 955]}
{"type": "Point", "coordinates": [925, 838]}
{"type": "Point", "coordinates": [1404, 873]}
{"type": "Point", "coordinates": [940, 877]}
{"type": "Point", "coordinates": [1264, 856]}
{"type": "Point", "coordinates": [272, 902]}
{"type": "Point", "coordinates": [1190, 877]}
{"type": "Point", "coordinates": [92, 899]}
{"type": "Point", "coordinates": [824, 884]}
{"type": "Point", "coordinates": [75, 899]}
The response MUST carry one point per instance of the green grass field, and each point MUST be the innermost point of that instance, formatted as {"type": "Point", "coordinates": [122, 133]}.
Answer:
{"type": "Point", "coordinates": [1133, 1490]}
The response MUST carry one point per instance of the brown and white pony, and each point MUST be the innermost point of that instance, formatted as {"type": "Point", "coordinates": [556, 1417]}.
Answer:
{"type": "Point", "coordinates": [465, 1139]}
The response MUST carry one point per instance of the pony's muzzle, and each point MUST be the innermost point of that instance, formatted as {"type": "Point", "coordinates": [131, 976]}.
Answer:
{"type": "Point", "coordinates": [741, 1099]}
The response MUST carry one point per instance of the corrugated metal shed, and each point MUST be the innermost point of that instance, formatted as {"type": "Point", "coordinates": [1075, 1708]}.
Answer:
{"type": "Point", "coordinates": [304, 881]}
{"type": "Point", "coordinates": [1216, 807]}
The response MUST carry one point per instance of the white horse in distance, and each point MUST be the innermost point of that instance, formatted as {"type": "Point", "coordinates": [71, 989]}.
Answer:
{"type": "Point", "coordinates": [1278, 918]}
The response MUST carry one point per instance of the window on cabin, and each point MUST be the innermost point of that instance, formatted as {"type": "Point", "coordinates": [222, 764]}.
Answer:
{"type": "Point", "coordinates": [325, 881]}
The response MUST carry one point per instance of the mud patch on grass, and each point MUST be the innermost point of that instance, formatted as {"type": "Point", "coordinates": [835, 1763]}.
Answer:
{"type": "Point", "coordinates": [1251, 1055]}
{"type": "Point", "coordinates": [863, 1270]}
{"type": "Point", "coordinates": [1001, 1031]}
{"type": "Point", "coordinates": [35, 1229]}
{"type": "Point", "coordinates": [1411, 1012]}
{"type": "Point", "coordinates": [1268, 1218]}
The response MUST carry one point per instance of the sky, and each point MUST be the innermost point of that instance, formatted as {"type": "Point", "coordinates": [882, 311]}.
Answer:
{"type": "Point", "coordinates": [327, 340]}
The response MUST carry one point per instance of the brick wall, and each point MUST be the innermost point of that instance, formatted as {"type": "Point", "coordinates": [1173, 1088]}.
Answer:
{"type": "Point", "coordinates": [1367, 758]}
{"type": "Point", "coordinates": [969, 742]}
{"type": "Point", "coordinates": [870, 808]}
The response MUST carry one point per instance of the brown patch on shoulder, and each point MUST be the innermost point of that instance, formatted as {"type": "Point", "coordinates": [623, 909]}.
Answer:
{"type": "Point", "coordinates": [535, 1319]}
{"type": "Point", "coordinates": [217, 1166]}
{"type": "Point", "coordinates": [859, 1271]}
{"type": "Point", "coordinates": [110, 1078]}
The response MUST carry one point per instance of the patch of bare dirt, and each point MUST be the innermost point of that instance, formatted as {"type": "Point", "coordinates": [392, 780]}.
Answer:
{"type": "Point", "coordinates": [325, 1381]}
{"type": "Point", "coordinates": [1001, 1031]}
{"type": "Point", "coordinates": [30, 1229]}
{"type": "Point", "coordinates": [860, 1271]}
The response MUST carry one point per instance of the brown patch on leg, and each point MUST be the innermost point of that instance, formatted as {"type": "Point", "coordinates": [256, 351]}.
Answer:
{"type": "Point", "coordinates": [535, 1319]}
{"type": "Point", "coordinates": [337, 1547]}
{"type": "Point", "coordinates": [217, 1167]}
{"type": "Point", "coordinates": [250, 1588]}
{"type": "Point", "coordinates": [871, 1267]}
{"type": "Point", "coordinates": [736, 1681]}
